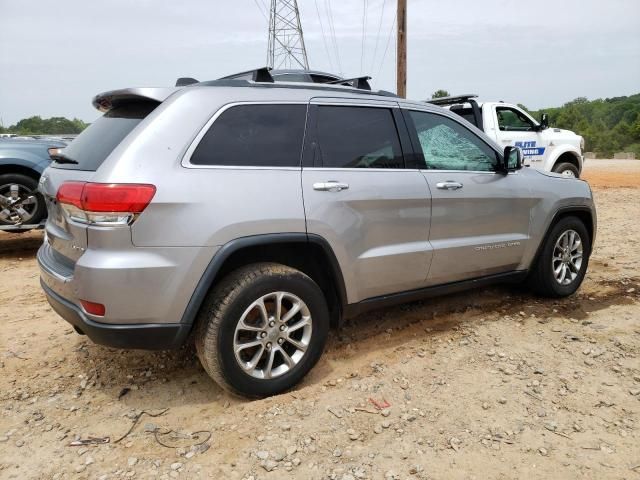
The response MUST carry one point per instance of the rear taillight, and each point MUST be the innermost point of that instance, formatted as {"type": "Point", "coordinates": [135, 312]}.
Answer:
{"type": "Point", "coordinates": [104, 203]}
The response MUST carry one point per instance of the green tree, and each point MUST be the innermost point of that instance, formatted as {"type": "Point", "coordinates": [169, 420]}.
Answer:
{"type": "Point", "coordinates": [50, 126]}
{"type": "Point", "coordinates": [440, 94]}
{"type": "Point", "coordinates": [608, 125]}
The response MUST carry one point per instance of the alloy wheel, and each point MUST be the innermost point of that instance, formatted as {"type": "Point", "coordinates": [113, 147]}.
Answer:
{"type": "Point", "coordinates": [17, 204]}
{"type": "Point", "coordinates": [566, 259]}
{"type": "Point", "coordinates": [272, 335]}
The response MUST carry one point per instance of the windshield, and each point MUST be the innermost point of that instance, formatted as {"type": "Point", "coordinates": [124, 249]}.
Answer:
{"type": "Point", "coordinates": [96, 142]}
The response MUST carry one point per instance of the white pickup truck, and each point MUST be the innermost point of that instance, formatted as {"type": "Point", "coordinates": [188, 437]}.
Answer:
{"type": "Point", "coordinates": [544, 148]}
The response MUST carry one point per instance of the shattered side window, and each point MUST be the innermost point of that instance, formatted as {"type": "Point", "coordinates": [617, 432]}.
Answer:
{"type": "Point", "coordinates": [447, 145]}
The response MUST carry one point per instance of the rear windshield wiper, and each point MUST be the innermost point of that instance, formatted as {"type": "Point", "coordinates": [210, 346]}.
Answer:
{"type": "Point", "coordinates": [60, 157]}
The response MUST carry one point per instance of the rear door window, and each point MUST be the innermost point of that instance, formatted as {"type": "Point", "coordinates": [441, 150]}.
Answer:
{"type": "Point", "coordinates": [89, 149]}
{"type": "Point", "coordinates": [358, 137]}
{"type": "Point", "coordinates": [255, 135]}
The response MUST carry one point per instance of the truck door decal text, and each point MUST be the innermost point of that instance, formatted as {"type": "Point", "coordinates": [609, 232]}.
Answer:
{"type": "Point", "coordinates": [529, 149]}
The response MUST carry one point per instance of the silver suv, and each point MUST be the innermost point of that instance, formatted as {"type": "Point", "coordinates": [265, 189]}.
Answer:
{"type": "Point", "coordinates": [249, 217]}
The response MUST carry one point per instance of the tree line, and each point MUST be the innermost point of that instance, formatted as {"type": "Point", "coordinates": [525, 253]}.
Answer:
{"type": "Point", "coordinates": [608, 125]}
{"type": "Point", "coordinates": [45, 126]}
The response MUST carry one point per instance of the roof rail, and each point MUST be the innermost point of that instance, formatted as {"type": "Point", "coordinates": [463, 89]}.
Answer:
{"type": "Point", "coordinates": [361, 83]}
{"type": "Point", "coordinates": [452, 100]}
{"type": "Point", "coordinates": [261, 75]}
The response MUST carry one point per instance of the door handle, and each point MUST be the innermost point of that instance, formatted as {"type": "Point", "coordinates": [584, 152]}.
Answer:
{"type": "Point", "coordinates": [449, 185]}
{"type": "Point", "coordinates": [330, 186]}
{"type": "Point", "coordinates": [507, 140]}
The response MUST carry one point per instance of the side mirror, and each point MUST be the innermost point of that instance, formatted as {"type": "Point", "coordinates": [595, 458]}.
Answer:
{"type": "Point", "coordinates": [512, 159]}
{"type": "Point", "coordinates": [544, 121]}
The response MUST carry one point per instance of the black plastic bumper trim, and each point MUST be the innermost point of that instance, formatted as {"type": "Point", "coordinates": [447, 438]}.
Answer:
{"type": "Point", "coordinates": [144, 336]}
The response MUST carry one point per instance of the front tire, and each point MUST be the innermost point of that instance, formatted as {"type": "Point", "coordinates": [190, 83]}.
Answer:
{"type": "Point", "coordinates": [261, 329]}
{"type": "Point", "coordinates": [563, 260]}
{"type": "Point", "coordinates": [567, 169]}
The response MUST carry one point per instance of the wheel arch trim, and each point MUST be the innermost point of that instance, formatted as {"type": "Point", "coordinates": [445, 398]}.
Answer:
{"type": "Point", "coordinates": [224, 253]}
{"type": "Point", "coordinates": [563, 212]}
{"type": "Point", "coordinates": [561, 151]}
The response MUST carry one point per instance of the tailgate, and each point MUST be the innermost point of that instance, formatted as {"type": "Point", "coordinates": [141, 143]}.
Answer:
{"type": "Point", "coordinates": [67, 239]}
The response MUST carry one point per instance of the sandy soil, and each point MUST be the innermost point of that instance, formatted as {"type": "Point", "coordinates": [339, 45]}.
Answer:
{"type": "Point", "coordinates": [493, 383]}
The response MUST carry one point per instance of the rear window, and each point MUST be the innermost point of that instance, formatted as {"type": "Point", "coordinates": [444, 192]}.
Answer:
{"type": "Point", "coordinates": [466, 113]}
{"type": "Point", "coordinates": [254, 136]}
{"type": "Point", "coordinates": [358, 137]}
{"type": "Point", "coordinates": [95, 143]}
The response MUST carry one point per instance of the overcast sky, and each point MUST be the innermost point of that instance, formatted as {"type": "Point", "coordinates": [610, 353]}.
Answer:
{"type": "Point", "coordinates": [55, 55]}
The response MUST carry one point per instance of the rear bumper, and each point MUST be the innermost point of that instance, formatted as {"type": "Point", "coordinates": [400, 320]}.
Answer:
{"type": "Point", "coordinates": [145, 292]}
{"type": "Point", "coordinates": [146, 336]}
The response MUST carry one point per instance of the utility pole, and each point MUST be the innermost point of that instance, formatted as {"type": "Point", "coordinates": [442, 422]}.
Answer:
{"type": "Point", "coordinates": [401, 55]}
{"type": "Point", "coordinates": [286, 43]}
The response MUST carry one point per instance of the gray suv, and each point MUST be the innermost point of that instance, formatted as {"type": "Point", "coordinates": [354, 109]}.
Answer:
{"type": "Point", "coordinates": [248, 217]}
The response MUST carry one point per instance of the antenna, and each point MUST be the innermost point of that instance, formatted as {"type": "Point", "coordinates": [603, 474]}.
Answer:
{"type": "Point", "coordinates": [286, 43]}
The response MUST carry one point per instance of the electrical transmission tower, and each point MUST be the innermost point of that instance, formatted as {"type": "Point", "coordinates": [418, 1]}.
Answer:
{"type": "Point", "coordinates": [286, 43]}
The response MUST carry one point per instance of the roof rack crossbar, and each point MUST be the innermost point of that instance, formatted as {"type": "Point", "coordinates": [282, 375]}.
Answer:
{"type": "Point", "coordinates": [184, 81]}
{"type": "Point", "coordinates": [361, 83]}
{"type": "Point", "coordinates": [261, 75]}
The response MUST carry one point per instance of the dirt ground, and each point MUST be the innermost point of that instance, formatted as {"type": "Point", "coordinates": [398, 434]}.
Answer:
{"type": "Point", "coordinates": [493, 383]}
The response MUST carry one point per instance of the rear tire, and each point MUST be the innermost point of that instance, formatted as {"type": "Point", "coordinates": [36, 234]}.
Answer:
{"type": "Point", "coordinates": [566, 240]}
{"type": "Point", "coordinates": [35, 209]}
{"type": "Point", "coordinates": [567, 169]}
{"type": "Point", "coordinates": [281, 354]}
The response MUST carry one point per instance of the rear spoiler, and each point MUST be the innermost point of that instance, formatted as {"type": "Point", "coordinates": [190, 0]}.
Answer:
{"type": "Point", "coordinates": [105, 101]}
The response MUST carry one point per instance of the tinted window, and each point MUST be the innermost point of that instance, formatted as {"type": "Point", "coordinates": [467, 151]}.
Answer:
{"type": "Point", "coordinates": [97, 141]}
{"type": "Point", "coordinates": [447, 145]}
{"type": "Point", "coordinates": [513, 120]}
{"type": "Point", "coordinates": [358, 137]}
{"type": "Point", "coordinates": [466, 113]}
{"type": "Point", "coordinates": [254, 135]}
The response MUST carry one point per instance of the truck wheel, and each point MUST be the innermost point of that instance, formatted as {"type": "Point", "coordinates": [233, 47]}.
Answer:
{"type": "Point", "coordinates": [17, 205]}
{"type": "Point", "coordinates": [261, 329]}
{"type": "Point", "coordinates": [567, 169]}
{"type": "Point", "coordinates": [562, 262]}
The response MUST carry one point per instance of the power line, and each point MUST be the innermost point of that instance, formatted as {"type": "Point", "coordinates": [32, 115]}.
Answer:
{"type": "Point", "coordinates": [375, 50]}
{"type": "Point", "coordinates": [324, 38]}
{"type": "Point", "coordinates": [333, 34]}
{"type": "Point", "coordinates": [261, 10]}
{"type": "Point", "coordinates": [364, 32]}
{"type": "Point", "coordinates": [391, 30]}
